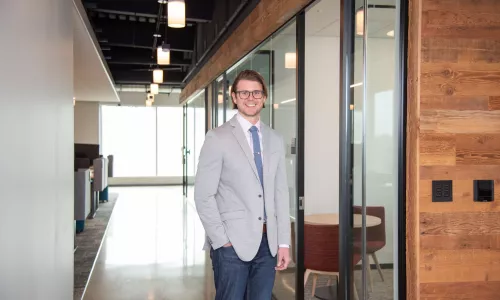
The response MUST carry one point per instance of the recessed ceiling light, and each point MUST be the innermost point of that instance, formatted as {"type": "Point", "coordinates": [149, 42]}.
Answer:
{"type": "Point", "coordinates": [157, 35]}
{"type": "Point", "coordinates": [162, 1]}
{"type": "Point", "coordinates": [390, 33]}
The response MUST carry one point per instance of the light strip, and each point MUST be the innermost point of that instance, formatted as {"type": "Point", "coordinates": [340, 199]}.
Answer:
{"type": "Point", "coordinates": [356, 84]}
{"type": "Point", "coordinates": [289, 100]}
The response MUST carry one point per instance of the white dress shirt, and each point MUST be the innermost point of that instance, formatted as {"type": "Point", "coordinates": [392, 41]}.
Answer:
{"type": "Point", "coordinates": [246, 125]}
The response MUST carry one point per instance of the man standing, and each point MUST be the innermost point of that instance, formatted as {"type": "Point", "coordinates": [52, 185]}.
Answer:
{"type": "Point", "coordinates": [241, 194]}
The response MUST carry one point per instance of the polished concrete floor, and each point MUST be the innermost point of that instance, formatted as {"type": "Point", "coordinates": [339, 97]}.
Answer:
{"type": "Point", "coordinates": [152, 249]}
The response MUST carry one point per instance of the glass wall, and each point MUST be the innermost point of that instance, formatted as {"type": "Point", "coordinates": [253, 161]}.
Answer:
{"type": "Point", "coordinates": [272, 60]}
{"type": "Point", "coordinates": [146, 146]}
{"type": "Point", "coordinates": [351, 121]}
{"type": "Point", "coordinates": [195, 135]}
{"type": "Point", "coordinates": [375, 166]}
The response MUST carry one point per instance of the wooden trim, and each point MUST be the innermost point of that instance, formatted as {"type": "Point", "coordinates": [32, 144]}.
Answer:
{"type": "Point", "coordinates": [267, 17]}
{"type": "Point", "coordinates": [413, 146]}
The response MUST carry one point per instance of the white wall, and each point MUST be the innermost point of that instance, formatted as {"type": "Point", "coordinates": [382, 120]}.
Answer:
{"type": "Point", "coordinates": [87, 122]}
{"type": "Point", "coordinates": [321, 124]}
{"type": "Point", "coordinates": [36, 157]}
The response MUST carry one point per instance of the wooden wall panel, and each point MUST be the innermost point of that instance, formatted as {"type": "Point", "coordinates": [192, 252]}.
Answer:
{"type": "Point", "coordinates": [454, 115]}
{"type": "Point", "coordinates": [267, 17]}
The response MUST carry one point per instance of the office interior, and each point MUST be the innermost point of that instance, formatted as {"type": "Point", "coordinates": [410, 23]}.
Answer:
{"type": "Point", "coordinates": [98, 171]}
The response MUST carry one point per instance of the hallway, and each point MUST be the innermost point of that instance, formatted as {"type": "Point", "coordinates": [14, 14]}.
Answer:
{"type": "Point", "coordinates": [152, 249]}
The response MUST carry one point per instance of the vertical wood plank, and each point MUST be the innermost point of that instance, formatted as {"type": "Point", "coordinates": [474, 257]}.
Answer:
{"type": "Point", "coordinates": [412, 155]}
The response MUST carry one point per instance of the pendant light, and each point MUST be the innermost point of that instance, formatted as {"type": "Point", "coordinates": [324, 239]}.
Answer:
{"type": "Point", "coordinates": [163, 54]}
{"type": "Point", "coordinates": [158, 76]}
{"type": "Point", "coordinates": [154, 88]}
{"type": "Point", "coordinates": [176, 13]}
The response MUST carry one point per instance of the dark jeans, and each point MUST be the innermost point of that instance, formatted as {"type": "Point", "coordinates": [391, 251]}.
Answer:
{"type": "Point", "coordinates": [238, 280]}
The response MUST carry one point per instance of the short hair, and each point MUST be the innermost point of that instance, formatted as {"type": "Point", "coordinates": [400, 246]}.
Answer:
{"type": "Point", "coordinates": [250, 75]}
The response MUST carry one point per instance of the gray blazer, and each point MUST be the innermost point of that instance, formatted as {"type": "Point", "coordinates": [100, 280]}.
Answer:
{"type": "Point", "coordinates": [229, 196]}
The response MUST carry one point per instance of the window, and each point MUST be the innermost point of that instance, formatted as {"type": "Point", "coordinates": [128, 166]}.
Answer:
{"type": "Point", "coordinates": [169, 141]}
{"type": "Point", "coordinates": [145, 141]}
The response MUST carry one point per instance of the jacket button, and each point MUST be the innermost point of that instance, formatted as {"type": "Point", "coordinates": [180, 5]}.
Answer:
{"type": "Point", "coordinates": [260, 218]}
{"type": "Point", "coordinates": [260, 196]}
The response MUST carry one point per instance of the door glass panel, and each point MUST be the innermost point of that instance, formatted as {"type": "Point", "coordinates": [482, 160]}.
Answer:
{"type": "Point", "coordinates": [219, 101]}
{"type": "Point", "coordinates": [357, 109]}
{"type": "Point", "coordinates": [380, 148]}
{"type": "Point", "coordinates": [195, 135]}
{"type": "Point", "coordinates": [321, 157]}
{"type": "Point", "coordinates": [281, 113]}
{"type": "Point", "coordinates": [375, 146]}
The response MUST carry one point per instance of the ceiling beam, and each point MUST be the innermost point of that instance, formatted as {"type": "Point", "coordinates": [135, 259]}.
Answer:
{"type": "Point", "coordinates": [148, 82]}
{"type": "Point", "coordinates": [146, 63]}
{"type": "Point", "coordinates": [149, 16]}
{"type": "Point", "coordinates": [144, 47]}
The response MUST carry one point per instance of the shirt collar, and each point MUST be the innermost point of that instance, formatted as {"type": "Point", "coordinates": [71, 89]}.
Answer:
{"type": "Point", "coordinates": [245, 124]}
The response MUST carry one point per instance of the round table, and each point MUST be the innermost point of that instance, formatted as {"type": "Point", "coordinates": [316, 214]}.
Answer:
{"type": "Point", "coordinates": [330, 292]}
{"type": "Point", "coordinates": [333, 219]}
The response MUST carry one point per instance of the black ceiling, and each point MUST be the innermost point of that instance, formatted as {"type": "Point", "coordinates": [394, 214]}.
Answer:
{"type": "Point", "coordinates": [125, 31]}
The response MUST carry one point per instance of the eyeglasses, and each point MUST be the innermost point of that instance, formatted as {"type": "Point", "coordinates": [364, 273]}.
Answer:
{"type": "Point", "coordinates": [246, 94]}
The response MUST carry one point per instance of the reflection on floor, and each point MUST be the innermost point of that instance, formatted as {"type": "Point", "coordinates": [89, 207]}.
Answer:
{"type": "Point", "coordinates": [152, 249]}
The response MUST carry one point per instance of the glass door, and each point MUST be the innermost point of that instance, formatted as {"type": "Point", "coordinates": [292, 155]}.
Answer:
{"type": "Point", "coordinates": [184, 150]}
{"type": "Point", "coordinates": [370, 149]}
{"type": "Point", "coordinates": [195, 129]}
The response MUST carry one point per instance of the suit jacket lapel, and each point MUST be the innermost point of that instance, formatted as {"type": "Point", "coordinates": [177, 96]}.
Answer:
{"type": "Point", "coordinates": [242, 140]}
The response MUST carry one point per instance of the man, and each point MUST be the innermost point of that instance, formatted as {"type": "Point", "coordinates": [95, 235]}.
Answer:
{"type": "Point", "coordinates": [241, 194]}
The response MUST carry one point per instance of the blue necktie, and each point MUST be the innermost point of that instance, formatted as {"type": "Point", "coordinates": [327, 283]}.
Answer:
{"type": "Point", "coordinates": [256, 153]}
{"type": "Point", "coordinates": [257, 156]}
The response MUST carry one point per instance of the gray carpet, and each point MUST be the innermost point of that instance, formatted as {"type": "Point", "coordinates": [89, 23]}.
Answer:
{"type": "Point", "coordinates": [284, 286]}
{"type": "Point", "coordinates": [382, 290]}
{"type": "Point", "coordinates": [88, 243]}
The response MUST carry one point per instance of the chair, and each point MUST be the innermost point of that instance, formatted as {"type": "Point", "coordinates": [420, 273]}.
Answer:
{"type": "Point", "coordinates": [321, 253]}
{"type": "Point", "coordinates": [82, 198]}
{"type": "Point", "coordinates": [375, 237]}
{"type": "Point", "coordinates": [111, 160]}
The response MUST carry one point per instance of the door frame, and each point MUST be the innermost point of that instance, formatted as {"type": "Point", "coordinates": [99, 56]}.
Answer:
{"type": "Point", "coordinates": [184, 150]}
{"type": "Point", "coordinates": [347, 32]}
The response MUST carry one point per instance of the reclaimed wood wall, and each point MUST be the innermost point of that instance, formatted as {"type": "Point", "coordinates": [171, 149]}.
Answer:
{"type": "Point", "coordinates": [453, 134]}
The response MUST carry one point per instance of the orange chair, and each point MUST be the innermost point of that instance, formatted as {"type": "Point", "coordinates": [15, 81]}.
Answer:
{"type": "Point", "coordinates": [321, 253]}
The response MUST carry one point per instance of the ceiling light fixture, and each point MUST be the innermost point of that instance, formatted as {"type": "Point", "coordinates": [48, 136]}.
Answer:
{"type": "Point", "coordinates": [158, 76]}
{"type": "Point", "coordinates": [157, 35]}
{"type": "Point", "coordinates": [162, 1]}
{"type": "Point", "coordinates": [154, 88]}
{"type": "Point", "coordinates": [176, 13]}
{"type": "Point", "coordinates": [290, 60]}
{"type": "Point", "coordinates": [163, 54]}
